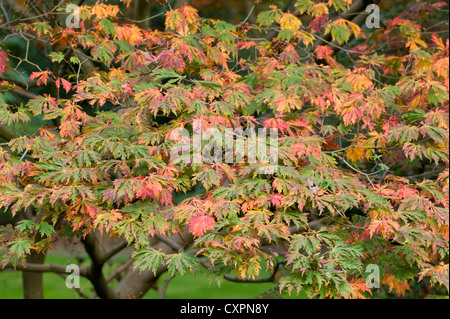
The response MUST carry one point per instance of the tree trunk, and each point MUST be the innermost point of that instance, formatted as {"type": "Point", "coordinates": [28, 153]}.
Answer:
{"type": "Point", "coordinates": [32, 281]}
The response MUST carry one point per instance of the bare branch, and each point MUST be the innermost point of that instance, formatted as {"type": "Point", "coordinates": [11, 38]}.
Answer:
{"type": "Point", "coordinates": [165, 285]}
{"type": "Point", "coordinates": [45, 268]}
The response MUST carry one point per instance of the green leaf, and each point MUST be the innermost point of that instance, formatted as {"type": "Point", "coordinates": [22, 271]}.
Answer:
{"type": "Point", "coordinates": [181, 262]}
{"type": "Point", "coordinates": [74, 60]}
{"type": "Point", "coordinates": [20, 247]}
{"type": "Point", "coordinates": [339, 33]}
{"type": "Point", "coordinates": [108, 27]}
{"type": "Point", "coordinates": [149, 258]}
{"type": "Point", "coordinates": [25, 225]}
{"type": "Point", "coordinates": [45, 229]}
{"type": "Point", "coordinates": [267, 18]}
{"type": "Point", "coordinates": [56, 56]}
{"type": "Point", "coordinates": [304, 6]}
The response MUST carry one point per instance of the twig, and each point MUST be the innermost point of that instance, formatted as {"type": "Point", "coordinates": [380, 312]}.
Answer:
{"type": "Point", "coordinates": [78, 290]}
{"type": "Point", "coordinates": [357, 170]}
{"type": "Point", "coordinates": [170, 243]}
{"type": "Point", "coordinates": [165, 285]}
{"type": "Point", "coordinates": [119, 270]}
{"type": "Point", "coordinates": [249, 14]}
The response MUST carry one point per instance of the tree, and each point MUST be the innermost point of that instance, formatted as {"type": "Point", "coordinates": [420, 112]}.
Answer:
{"type": "Point", "coordinates": [116, 127]}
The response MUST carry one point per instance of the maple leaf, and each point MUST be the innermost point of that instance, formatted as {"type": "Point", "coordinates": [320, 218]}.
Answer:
{"type": "Point", "coordinates": [41, 77]}
{"type": "Point", "coordinates": [102, 10]}
{"type": "Point", "coordinates": [171, 60]}
{"type": "Point", "coordinates": [66, 84]}
{"type": "Point", "coordinates": [266, 18]}
{"type": "Point", "coordinates": [359, 82]}
{"type": "Point", "coordinates": [3, 60]}
{"type": "Point", "coordinates": [218, 57]}
{"type": "Point", "coordinates": [289, 21]}
{"type": "Point", "coordinates": [200, 224]}
{"type": "Point", "coordinates": [340, 30]}
{"type": "Point", "coordinates": [351, 115]}
{"type": "Point", "coordinates": [286, 104]}
{"type": "Point", "coordinates": [359, 287]}
{"type": "Point", "coordinates": [318, 23]}
{"type": "Point", "coordinates": [130, 33]}
{"type": "Point", "coordinates": [400, 286]}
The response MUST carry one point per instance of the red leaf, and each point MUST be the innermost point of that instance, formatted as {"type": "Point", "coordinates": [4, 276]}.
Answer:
{"type": "Point", "coordinates": [200, 224]}
{"type": "Point", "coordinates": [3, 60]}
{"type": "Point", "coordinates": [41, 77]}
{"type": "Point", "coordinates": [66, 84]}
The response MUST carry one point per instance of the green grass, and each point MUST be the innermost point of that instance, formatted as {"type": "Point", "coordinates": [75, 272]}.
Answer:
{"type": "Point", "coordinates": [188, 286]}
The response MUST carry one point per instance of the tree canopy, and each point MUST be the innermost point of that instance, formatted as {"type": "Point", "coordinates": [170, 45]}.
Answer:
{"type": "Point", "coordinates": [93, 100]}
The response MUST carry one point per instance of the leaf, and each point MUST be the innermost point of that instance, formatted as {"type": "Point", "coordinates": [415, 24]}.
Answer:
{"type": "Point", "coordinates": [42, 77]}
{"type": "Point", "coordinates": [102, 10]}
{"type": "Point", "coordinates": [403, 133]}
{"type": "Point", "coordinates": [25, 225]}
{"type": "Point", "coordinates": [174, 20]}
{"type": "Point", "coordinates": [340, 4]}
{"type": "Point", "coordinates": [45, 229]}
{"type": "Point", "coordinates": [290, 22]}
{"type": "Point", "coordinates": [400, 286]}
{"type": "Point", "coordinates": [304, 6]}
{"type": "Point", "coordinates": [20, 247]}
{"type": "Point", "coordinates": [108, 27]}
{"type": "Point", "coordinates": [340, 30]}
{"type": "Point", "coordinates": [267, 18]}
{"type": "Point", "coordinates": [3, 61]}
{"type": "Point", "coordinates": [56, 56]}
{"type": "Point", "coordinates": [148, 258]}
{"type": "Point", "coordinates": [66, 84]}
{"type": "Point", "coordinates": [181, 262]}
{"type": "Point", "coordinates": [200, 224]}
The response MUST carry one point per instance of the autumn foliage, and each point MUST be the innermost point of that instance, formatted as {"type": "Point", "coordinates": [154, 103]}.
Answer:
{"type": "Point", "coordinates": [363, 135]}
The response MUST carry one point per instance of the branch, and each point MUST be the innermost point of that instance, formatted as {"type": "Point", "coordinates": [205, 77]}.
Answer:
{"type": "Point", "coordinates": [170, 243]}
{"type": "Point", "coordinates": [246, 280]}
{"type": "Point", "coordinates": [45, 268]}
{"type": "Point", "coordinates": [135, 283]}
{"type": "Point", "coordinates": [121, 268]}
{"type": "Point", "coordinates": [78, 290]}
{"type": "Point", "coordinates": [6, 134]}
{"type": "Point", "coordinates": [16, 82]}
{"type": "Point", "coordinates": [165, 285]}
{"type": "Point", "coordinates": [95, 274]}
{"type": "Point", "coordinates": [106, 256]}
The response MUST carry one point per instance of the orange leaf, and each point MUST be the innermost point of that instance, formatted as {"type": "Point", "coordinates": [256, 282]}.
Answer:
{"type": "Point", "coordinates": [400, 286]}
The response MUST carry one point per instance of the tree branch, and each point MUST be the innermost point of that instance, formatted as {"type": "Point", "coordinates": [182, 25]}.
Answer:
{"type": "Point", "coordinates": [106, 256]}
{"type": "Point", "coordinates": [95, 273]}
{"type": "Point", "coordinates": [45, 268]}
{"type": "Point", "coordinates": [7, 134]}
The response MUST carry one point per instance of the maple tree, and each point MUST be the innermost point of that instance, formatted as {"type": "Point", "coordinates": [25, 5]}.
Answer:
{"type": "Point", "coordinates": [362, 120]}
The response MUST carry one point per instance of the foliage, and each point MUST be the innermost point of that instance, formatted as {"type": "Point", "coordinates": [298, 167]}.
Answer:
{"type": "Point", "coordinates": [362, 175]}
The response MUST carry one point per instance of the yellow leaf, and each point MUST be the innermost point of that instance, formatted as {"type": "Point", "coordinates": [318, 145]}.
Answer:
{"type": "Point", "coordinates": [318, 9]}
{"type": "Point", "coordinates": [359, 82]}
{"type": "Point", "coordinates": [355, 153]}
{"type": "Point", "coordinates": [290, 22]}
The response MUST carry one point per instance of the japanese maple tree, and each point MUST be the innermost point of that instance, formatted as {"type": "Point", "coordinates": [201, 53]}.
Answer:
{"type": "Point", "coordinates": [88, 113]}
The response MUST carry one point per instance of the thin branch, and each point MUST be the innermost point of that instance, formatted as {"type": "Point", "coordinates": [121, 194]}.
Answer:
{"type": "Point", "coordinates": [120, 269]}
{"type": "Point", "coordinates": [106, 256]}
{"type": "Point", "coordinates": [249, 14]}
{"type": "Point", "coordinates": [358, 171]}
{"type": "Point", "coordinates": [45, 268]}
{"type": "Point", "coordinates": [170, 243]}
{"type": "Point", "coordinates": [165, 285]}
{"type": "Point", "coordinates": [78, 290]}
